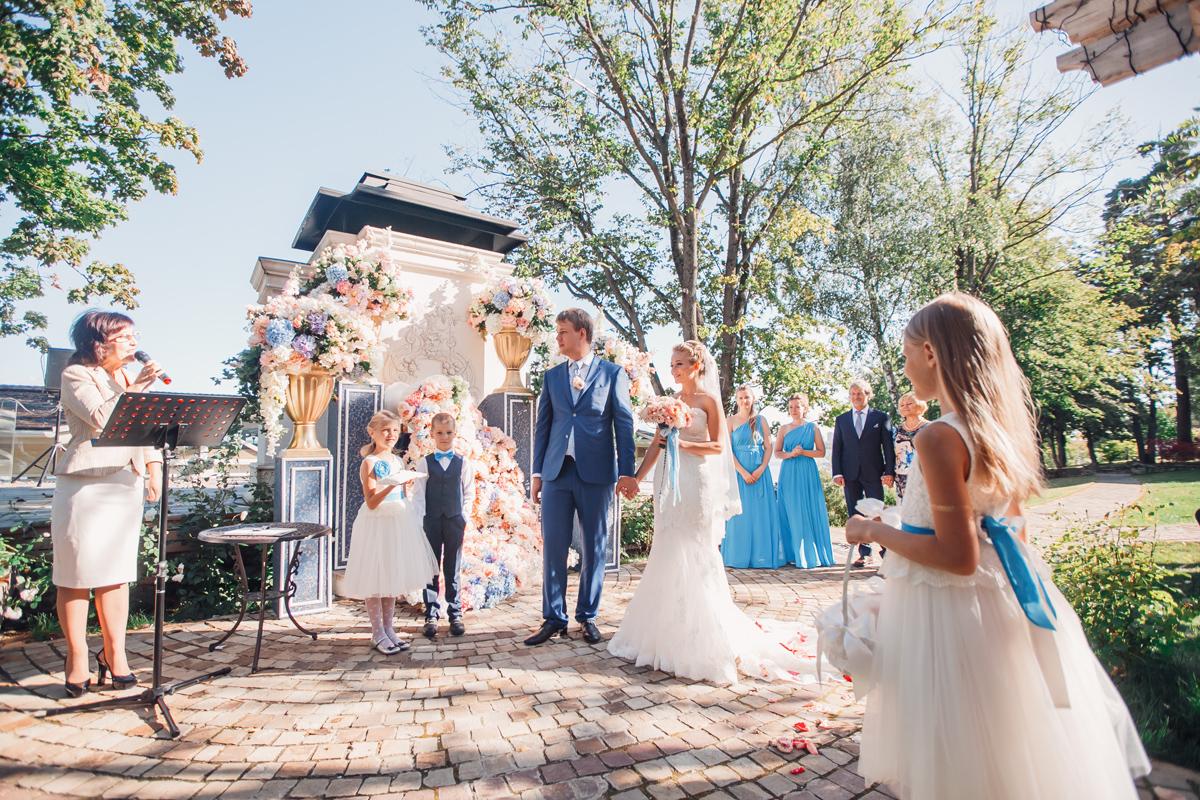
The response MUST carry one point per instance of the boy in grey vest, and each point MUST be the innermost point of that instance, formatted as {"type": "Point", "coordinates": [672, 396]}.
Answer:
{"type": "Point", "coordinates": [449, 496]}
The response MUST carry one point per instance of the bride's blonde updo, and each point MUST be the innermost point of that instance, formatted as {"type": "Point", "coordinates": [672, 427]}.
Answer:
{"type": "Point", "coordinates": [695, 350]}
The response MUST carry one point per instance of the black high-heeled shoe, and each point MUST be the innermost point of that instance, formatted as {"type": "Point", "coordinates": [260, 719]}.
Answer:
{"type": "Point", "coordinates": [77, 689]}
{"type": "Point", "coordinates": [119, 681]}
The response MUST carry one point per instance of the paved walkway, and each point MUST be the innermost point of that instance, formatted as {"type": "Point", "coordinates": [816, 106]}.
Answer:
{"type": "Point", "coordinates": [481, 716]}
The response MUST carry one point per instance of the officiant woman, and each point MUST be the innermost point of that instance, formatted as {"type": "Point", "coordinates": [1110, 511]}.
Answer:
{"type": "Point", "coordinates": [96, 515]}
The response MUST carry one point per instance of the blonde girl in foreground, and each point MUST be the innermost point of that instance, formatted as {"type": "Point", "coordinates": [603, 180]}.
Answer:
{"type": "Point", "coordinates": [984, 685]}
{"type": "Point", "coordinates": [389, 554]}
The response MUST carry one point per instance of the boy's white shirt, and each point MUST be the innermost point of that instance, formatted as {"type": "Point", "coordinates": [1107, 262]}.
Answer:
{"type": "Point", "coordinates": [467, 481]}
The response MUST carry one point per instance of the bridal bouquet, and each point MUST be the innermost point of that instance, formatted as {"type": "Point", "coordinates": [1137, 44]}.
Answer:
{"type": "Point", "coordinates": [520, 304]}
{"type": "Point", "coordinates": [670, 414]}
{"type": "Point", "coordinates": [667, 412]}
{"type": "Point", "coordinates": [361, 278]}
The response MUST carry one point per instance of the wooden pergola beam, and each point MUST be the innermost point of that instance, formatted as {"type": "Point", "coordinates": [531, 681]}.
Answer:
{"type": "Point", "coordinates": [1162, 37]}
{"type": "Point", "coordinates": [1087, 21]}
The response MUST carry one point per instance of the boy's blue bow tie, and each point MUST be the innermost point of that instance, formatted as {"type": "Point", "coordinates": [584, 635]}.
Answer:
{"type": "Point", "coordinates": [444, 454]}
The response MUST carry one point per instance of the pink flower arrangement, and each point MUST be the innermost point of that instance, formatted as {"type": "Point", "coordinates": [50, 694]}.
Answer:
{"type": "Point", "coordinates": [636, 364]}
{"type": "Point", "coordinates": [520, 304]}
{"type": "Point", "coordinates": [363, 278]}
{"type": "Point", "coordinates": [332, 320]}
{"type": "Point", "coordinates": [503, 542]}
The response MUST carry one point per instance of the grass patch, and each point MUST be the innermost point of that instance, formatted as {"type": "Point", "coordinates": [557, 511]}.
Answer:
{"type": "Point", "coordinates": [1057, 488]}
{"type": "Point", "coordinates": [1169, 498]}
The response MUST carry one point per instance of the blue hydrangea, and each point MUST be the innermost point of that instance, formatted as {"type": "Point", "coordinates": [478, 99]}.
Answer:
{"type": "Point", "coordinates": [500, 299]}
{"type": "Point", "coordinates": [382, 469]}
{"type": "Point", "coordinates": [336, 274]}
{"type": "Point", "coordinates": [316, 322]}
{"type": "Point", "coordinates": [280, 333]}
{"type": "Point", "coordinates": [305, 345]}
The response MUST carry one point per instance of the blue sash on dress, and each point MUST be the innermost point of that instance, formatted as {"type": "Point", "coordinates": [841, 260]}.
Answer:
{"type": "Point", "coordinates": [1025, 582]}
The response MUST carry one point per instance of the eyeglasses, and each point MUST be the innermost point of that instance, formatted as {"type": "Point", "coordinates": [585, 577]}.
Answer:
{"type": "Point", "coordinates": [125, 336]}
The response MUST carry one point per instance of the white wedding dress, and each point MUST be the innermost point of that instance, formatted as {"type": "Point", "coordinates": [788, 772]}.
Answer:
{"type": "Point", "coordinates": [682, 618]}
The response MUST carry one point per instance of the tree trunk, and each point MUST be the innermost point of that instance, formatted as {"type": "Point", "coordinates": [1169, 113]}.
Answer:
{"type": "Point", "coordinates": [1060, 440]}
{"type": "Point", "coordinates": [1139, 436]}
{"type": "Point", "coordinates": [1091, 447]}
{"type": "Point", "coordinates": [1152, 433]}
{"type": "Point", "coordinates": [1183, 389]}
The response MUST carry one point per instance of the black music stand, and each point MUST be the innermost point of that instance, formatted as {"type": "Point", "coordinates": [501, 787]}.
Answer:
{"type": "Point", "coordinates": [163, 421]}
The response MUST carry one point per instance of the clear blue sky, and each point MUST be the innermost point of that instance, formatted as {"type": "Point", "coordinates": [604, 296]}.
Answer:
{"type": "Point", "coordinates": [333, 89]}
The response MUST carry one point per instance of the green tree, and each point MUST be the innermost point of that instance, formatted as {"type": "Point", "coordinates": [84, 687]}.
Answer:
{"type": "Point", "coordinates": [882, 254]}
{"type": "Point", "coordinates": [1150, 255]}
{"type": "Point", "coordinates": [77, 144]}
{"type": "Point", "coordinates": [795, 354]}
{"type": "Point", "coordinates": [1005, 183]}
{"type": "Point", "coordinates": [1067, 337]}
{"type": "Point", "coordinates": [651, 148]}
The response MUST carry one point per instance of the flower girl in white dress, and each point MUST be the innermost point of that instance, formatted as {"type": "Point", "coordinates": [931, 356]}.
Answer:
{"type": "Point", "coordinates": [389, 554]}
{"type": "Point", "coordinates": [682, 618]}
{"type": "Point", "coordinates": [983, 685]}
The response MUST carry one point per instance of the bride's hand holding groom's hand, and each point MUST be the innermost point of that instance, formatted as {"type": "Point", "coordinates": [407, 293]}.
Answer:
{"type": "Point", "coordinates": [627, 487]}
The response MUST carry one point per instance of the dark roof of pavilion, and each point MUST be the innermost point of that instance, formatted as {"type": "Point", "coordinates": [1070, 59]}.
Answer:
{"type": "Point", "coordinates": [387, 201]}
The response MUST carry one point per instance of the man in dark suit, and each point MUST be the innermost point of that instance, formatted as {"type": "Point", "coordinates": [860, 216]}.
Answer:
{"type": "Point", "coordinates": [864, 456]}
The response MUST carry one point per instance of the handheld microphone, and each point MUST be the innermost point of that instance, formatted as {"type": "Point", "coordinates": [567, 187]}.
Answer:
{"type": "Point", "coordinates": [142, 356]}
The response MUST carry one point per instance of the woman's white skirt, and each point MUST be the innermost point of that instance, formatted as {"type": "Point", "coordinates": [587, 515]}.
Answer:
{"type": "Point", "coordinates": [389, 553]}
{"type": "Point", "coordinates": [960, 707]}
{"type": "Point", "coordinates": [95, 526]}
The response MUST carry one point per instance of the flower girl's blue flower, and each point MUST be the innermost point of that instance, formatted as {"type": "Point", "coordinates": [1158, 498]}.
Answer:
{"type": "Point", "coordinates": [382, 469]}
{"type": "Point", "coordinates": [280, 332]}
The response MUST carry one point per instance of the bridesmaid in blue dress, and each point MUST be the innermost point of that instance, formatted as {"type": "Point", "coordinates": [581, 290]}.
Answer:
{"type": "Point", "coordinates": [752, 538]}
{"type": "Point", "coordinates": [802, 512]}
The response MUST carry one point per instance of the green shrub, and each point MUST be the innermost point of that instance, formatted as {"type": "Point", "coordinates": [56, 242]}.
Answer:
{"type": "Point", "coordinates": [835, 500]}
{"type": "Point", "coordinates": [29, 591]}
{"type": "Point", "coordinates": [1140, 624]}
{"type": "Point", "coordinates": [1129, 609]}
{"type": "Point", "coordinates": [637, 526]}
{"type": "Point", "coordinates": [1117, 450]}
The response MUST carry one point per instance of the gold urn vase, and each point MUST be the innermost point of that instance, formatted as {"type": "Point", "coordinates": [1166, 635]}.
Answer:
{"type": "Point", "coordinates": [308, 395]}
{"type": "Point", "coordinates": [513, 349]}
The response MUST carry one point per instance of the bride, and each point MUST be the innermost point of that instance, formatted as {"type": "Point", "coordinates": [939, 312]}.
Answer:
{"type": "Point", "coordinates": [682, 618]}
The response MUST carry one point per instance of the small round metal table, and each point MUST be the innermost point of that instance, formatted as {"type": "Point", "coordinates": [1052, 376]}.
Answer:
{"type": "Point", "coordinates": [266, 535]}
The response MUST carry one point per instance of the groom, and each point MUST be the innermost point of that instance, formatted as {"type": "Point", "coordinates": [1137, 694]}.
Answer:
{"type": "Point", "coordinates": [583, 441]}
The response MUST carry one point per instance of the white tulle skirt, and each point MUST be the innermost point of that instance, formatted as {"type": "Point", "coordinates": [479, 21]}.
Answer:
{"type": "Point", "coordinates": [960, 708]}
{"type": "Point", "coordinates": [682, 618]}
{"type": "Point", "coordinates": [389, 553]}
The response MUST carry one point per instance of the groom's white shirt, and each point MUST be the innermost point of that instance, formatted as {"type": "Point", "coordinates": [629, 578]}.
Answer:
{"type": "Point", "coordinates": [584, 370]}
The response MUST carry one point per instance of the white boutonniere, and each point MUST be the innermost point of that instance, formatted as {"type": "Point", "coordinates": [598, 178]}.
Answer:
{"type": "Point", "coordinates": [577, 383]}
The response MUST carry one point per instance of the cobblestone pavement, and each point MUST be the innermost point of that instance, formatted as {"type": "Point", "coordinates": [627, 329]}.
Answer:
{"type": "Point", "coordinates": [480, 716]}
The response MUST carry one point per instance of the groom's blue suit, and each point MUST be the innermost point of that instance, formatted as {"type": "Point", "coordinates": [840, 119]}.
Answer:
{"type": "Point", "coordinates": [599, 417]}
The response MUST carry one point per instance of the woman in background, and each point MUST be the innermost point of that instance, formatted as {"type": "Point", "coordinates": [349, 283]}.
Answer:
{"type": "Point", "coordinates": [752, 538]}
{"type": "Point", "coordinates": [802, 511]}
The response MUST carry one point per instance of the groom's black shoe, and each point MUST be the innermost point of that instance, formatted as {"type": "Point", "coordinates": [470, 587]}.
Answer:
{"type": "Point", "coordinates": [591, 634]}
{"type": "Point", "coordinates": [550, 629]}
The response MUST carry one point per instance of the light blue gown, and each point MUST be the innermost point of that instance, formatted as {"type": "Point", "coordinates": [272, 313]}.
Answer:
{"type": "Point", "coordinates": [752, 538]}
{"type": "Point", "coordinates": [802, 512]}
